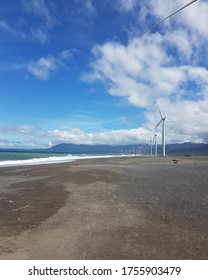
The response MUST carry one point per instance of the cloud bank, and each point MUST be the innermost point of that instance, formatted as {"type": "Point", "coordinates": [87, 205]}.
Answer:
{"type": "Point", "coordinates": [27, 136]}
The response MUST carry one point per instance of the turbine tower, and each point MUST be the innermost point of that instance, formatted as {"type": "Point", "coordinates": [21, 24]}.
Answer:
{"type": "Point", "coordinates": [163, 131]}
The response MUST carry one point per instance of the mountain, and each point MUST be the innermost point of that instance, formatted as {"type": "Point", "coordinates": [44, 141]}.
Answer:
{"type": "Point", "coordinates": [171, 149]}
{"type": "Point", "coordinates": [174, 149]}
{"type": "Point", "coordinates": [188, 149]}
{"type": "Point", "coordinates": [83, 148]}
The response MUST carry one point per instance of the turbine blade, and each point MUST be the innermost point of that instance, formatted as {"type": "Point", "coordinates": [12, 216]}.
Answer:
{"type": "Point", "coordinates": [159, 111]}
{"type": "Point", "coordinates": [159, 123]}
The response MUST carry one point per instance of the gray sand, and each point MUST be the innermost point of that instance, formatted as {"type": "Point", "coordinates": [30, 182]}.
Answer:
{"type": "Point", "coordinates": [115, 208]}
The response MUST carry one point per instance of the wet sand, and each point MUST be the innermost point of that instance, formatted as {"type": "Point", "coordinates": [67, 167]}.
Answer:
{"type": "Point", "coordinates": [115, 208]}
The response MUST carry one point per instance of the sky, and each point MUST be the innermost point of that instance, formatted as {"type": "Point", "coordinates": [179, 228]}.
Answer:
{"type": "Point", "coordinates": [78, 71]}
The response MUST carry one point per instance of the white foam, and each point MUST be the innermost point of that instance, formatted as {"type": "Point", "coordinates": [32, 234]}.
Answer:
{"type": "Point", "coordinates": [50, 160]}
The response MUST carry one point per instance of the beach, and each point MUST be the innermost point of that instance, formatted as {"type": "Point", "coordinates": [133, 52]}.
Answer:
{"type": "Point", "coordinates": [107, 208]}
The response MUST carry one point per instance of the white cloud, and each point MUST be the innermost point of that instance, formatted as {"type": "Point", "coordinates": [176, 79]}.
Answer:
{"type": "Point", "coordinates": [9, 143]}
{"type": "Point", "coordinates": [186, 120]}
{"type": "Point", "coordinates": [182, 125]}
{"type": "Point", "coordinates": [21, 136]}
{"type": "Point", "coordinates": [10, 66]}
{"type": "Point", "coordinates": [182, 41]}
{"type": "Point", "coordinates": [194, 17]}
{"type": "Point", "coordinates": [42, 10]}
{"type": "Point", "coordinates": [20, 130]}
{"type": "Point", "coordinates": [127, 5]}
{"type": "Point", "coordinates": [140, 71]}
{"type": "Point", "coordinates": [46, 19]}
{"type": "Point", "coordinates": [114, 137]}
{"type": "Point", "coordinates": [89, 6]}
{"type": "Point", "coordinates": [40, 34]}
{"type": "Point", "coordinates": [4, 26]}
{"type": "Point", "coordinates": [10, 29]}
{"type": "Point", "coordinates": [86, 6]}
{"type": "Point", "coordinates": [44, 66]}
{"type": "Point", "coordinates": [31, 136]}
{"type": "Point", "coordinates": [64, 55]}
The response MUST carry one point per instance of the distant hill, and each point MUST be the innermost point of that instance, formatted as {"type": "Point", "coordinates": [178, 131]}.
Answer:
{"type": "Point", "coordinates": [82, 148]}
{"type": "Point", "coordinates": [188, 149]}
{"type": "Point", "coordinates": [177, 149]}
{"type": "Point", "coordinates": [171, 149]}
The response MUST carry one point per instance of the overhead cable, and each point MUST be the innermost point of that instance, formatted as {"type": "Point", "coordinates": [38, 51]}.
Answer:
{"type": "Point", "coordinates": [167, 17]}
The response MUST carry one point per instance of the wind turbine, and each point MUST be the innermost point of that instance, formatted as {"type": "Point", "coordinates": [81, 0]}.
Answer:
{"type": "Point", "coordinates": [154, 140]}
{"type": "Point", "coordinates": [163, 130]}
{"type": "Point", "coordinates": [151, 141]}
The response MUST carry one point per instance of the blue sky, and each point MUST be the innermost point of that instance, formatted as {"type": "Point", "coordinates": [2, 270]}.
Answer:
{"type": "Point", "coordinates": [77, 71]}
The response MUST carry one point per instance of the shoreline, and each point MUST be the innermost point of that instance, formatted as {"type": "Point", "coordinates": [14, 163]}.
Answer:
{"type": "Point", "coordinates": [106, 208]}
{"type": "Point", "coordinates": [55, 160]}
{"type": "Point", "coordinates": [64, 159]}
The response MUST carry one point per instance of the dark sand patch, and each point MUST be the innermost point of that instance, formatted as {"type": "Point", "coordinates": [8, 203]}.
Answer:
{"type": "Point", "coordinates": [24, 205]}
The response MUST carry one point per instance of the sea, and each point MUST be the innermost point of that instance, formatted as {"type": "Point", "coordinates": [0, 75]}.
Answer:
{"type": "Point", "coordinates": [21, 158]}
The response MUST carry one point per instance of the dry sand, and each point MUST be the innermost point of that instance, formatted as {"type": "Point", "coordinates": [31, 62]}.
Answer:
{"type": "Point", "coordinates": [115, 208]}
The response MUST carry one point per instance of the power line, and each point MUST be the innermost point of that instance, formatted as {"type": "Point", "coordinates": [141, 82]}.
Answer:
{"type": "Point", "coordinates": [167, 18]}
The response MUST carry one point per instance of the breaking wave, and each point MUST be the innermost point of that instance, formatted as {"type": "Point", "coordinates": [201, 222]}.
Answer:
{"type": "Point", "coordinates": [50, 160]}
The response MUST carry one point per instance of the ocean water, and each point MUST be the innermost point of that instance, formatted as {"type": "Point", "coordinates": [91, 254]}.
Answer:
{"type": "Point", "coordinates": [19, 158]}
